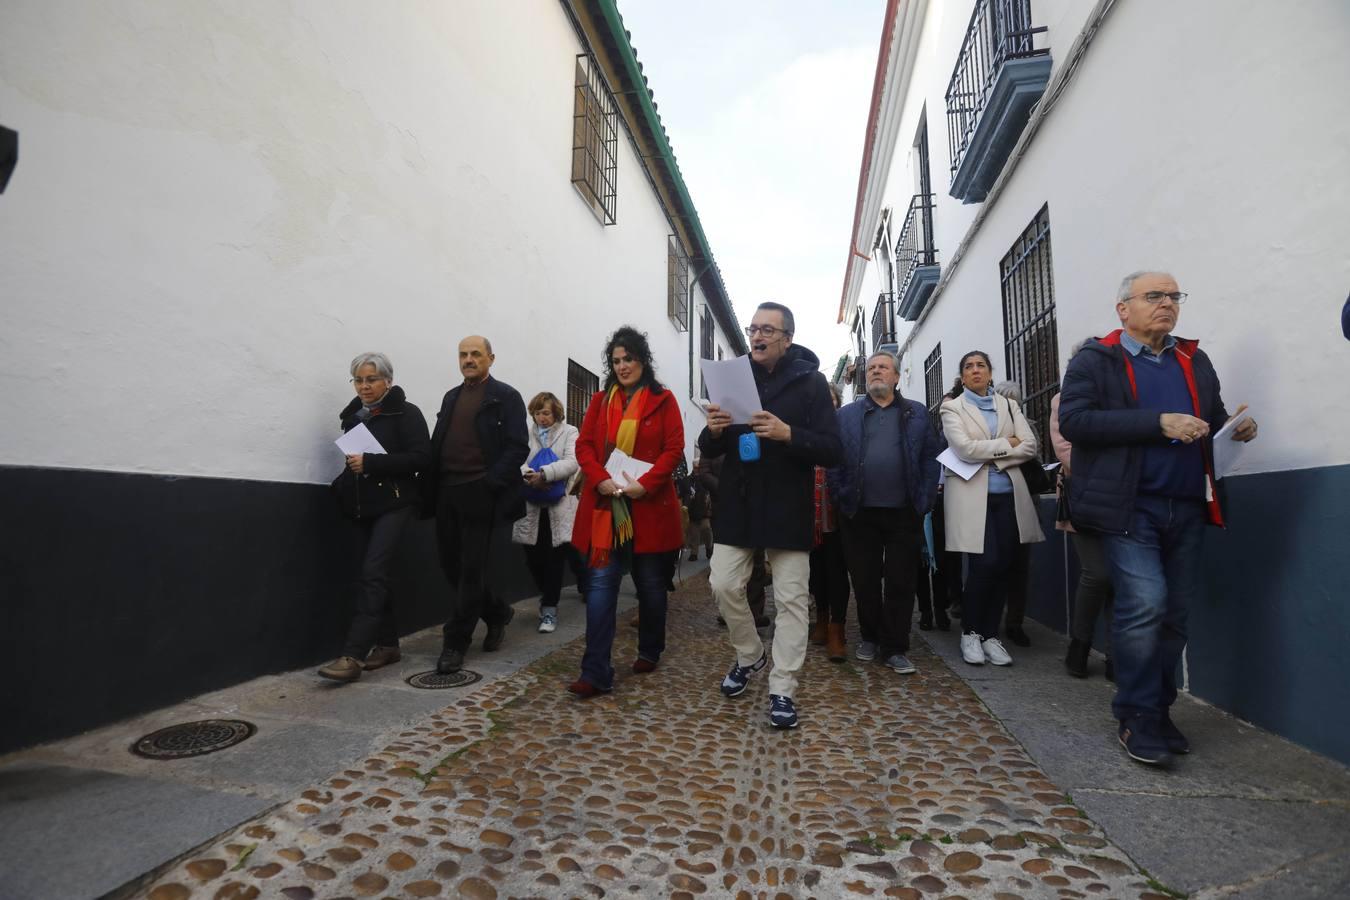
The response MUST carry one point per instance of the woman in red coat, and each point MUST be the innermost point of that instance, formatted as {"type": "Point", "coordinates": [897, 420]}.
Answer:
{"type": "Point", "coordinates": [624, 524]}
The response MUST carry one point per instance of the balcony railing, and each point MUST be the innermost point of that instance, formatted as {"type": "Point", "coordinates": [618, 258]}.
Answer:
{"type": "Point", "coordinates": [916, 257]}
{"type": "Point", "coordinates": [1000, 31]}
{"type": "Point", "coordinates": [883, 321]}
{"type": "Point", "coordinates": [914, 246]}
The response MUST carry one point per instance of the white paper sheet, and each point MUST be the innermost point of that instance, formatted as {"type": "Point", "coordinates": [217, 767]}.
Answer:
{"type": "Point", "coordinates": [731, 385]}
{"type": "Point", "coordinates": [359, 440]}
{"type": "Point", "coordinates": [957, 465]}
{"type": "Point", "coordinates": [1228, 452]}
{"type": "Point", "coordinates": [620, 464]}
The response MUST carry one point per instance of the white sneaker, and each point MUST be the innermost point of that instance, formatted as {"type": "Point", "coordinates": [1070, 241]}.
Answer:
{"type": "Point", "coordinates": [548, 623]}
{"type": "Point", "coordinates": [994, 652]}
{"type": "Point", "coordinates": [971, 649]}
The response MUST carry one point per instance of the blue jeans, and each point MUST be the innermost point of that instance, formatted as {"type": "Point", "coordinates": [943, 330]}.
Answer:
{"type": "Point", "coordinates": [602, 600]}
{"type": "Point", "coordinates": [1156, 571]}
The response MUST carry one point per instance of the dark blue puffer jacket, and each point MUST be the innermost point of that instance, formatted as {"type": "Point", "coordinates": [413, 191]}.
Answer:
{"type": "Point", "coordinates": [921, 444]}
{"type": "Point", "coordinates": [1099, 414]}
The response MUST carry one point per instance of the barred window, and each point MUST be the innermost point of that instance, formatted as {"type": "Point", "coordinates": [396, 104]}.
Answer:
{"type": "Point", "coordinates": [595, 139]}
{"type": "Point", "coordinates": [677, 284]}
{"type": "Point", "coordinates": [932, 379]}
{"type": "Point", "coordinates": [706, 342]}
{"type": "Point", "coordinates": [581, 386]}
{"type": "Point", "coordinates": [1031, 341]}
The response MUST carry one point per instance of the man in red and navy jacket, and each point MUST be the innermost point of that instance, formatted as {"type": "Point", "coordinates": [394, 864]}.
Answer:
{"type": "Point", "coordinates": [1140, 407]}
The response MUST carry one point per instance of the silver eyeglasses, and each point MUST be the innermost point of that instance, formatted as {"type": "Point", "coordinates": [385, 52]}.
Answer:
{"type": "Point", "coordinates": [1156, 297]}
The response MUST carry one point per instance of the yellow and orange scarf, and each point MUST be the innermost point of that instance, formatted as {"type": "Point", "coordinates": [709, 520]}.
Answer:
{"type": "Point", "coordinates": [612, 522]}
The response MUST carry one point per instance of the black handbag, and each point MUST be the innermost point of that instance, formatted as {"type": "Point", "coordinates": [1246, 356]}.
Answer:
{"type": "Point", "coordinates": [1062, 511]}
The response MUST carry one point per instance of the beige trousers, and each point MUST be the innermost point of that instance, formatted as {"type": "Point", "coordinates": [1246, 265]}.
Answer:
{"type": "Point", "coordinates": [729, 572]}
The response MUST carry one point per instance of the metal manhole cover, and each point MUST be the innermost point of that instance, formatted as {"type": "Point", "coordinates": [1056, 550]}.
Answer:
{"type": "Point", "coordinates": [193, 738]}
{"type": "Point", "coordinates": [434, 680]}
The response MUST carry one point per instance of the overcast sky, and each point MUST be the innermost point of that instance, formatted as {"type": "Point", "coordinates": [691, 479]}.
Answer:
{"type": "Point", "coordinates": [765, 102]}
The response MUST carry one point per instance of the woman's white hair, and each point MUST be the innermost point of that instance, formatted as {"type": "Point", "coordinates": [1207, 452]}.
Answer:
{"type": "Point", "coordinates": [383, 367]}
{"type": "Point", "coordinates": [1010, 389]}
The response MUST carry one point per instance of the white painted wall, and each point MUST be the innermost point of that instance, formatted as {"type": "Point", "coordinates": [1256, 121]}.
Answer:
{"type": "Point", "coordinates": [1207, 138]}
{"type": "Point", "coordinates": [217, 205]}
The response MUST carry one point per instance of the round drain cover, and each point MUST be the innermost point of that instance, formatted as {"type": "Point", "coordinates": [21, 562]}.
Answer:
{"type": "Point", "coordinates": [434, 680]}
{"type": "Point", "coordinates": [193, 738]}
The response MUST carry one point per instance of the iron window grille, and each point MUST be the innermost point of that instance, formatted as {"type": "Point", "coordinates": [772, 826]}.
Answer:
{"type": "Point", "coordinates": [706, 344]}
{"type": "Point", "coordinates": [595, 139]}
{"type": "Point", "coordinates": [999, 30]}
{"type": "Point", "coordinates": [860, 374]}
{"type": "Point", "coordinates": [883, 321]}
{"type": "Point", "coordinates": [932, 379]}
{"type": "Point", "coordinates": [581, 386]}
{"type": "Point", "coordinates": [677, 283]}
{"type": "Point", "coordinates": [1031, 340]}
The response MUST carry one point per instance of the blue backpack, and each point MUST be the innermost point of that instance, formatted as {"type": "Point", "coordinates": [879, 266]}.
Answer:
{"type": "Point", "coordinates": [550, 493]}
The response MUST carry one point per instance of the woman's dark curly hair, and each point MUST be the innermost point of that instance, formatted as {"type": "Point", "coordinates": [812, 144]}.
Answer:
{"type": "Point", "coordinates": [957, 385]}
{"type": "Point", "coordinates": [635, 342]}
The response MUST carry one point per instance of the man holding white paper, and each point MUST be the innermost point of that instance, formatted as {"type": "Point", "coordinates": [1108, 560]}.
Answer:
{"type": "Point", "coordinates": [766, 499]}
{"type": "Point", "coordinates": [1139, 407]}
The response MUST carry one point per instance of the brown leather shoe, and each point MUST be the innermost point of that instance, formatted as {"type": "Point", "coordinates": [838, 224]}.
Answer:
{"type": "Point", "coordinates": [818, 632]}
{"type": "Point", "coordinates": [834, 642]}
{"type": "Point", "coordinates": [381, 656]}
{"type": "Point", "coordinates": [643, 666]}
{"type": "Point", "coordinates": [344, 668]}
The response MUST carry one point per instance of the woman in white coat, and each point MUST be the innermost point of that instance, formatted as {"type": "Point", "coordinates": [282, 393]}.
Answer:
{"type": "Point", "coordinates": [546, 527]}
{"type": "Point", "coordinates": [988, 515]}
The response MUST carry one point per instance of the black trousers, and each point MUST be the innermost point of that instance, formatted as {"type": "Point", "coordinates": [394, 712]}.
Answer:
{"type": "Point", "coordinates": [546, 562]}
{"type": "Point", "coordinates": [829, 578]}
{"type": "Point", "coordinates": [883, 545]}
{"type": "Point", "coordinates": [374, 625]}
{"type": "Point", "coordinates": [989, 571]}
{"type": "Point", "coordinates": [464, 528]}
{"type": "Point", "coordinates": [1018, 586]}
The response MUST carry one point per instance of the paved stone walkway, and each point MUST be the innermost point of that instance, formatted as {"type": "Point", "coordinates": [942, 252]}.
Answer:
{"type": "Point", "coordinates": [896, 786]}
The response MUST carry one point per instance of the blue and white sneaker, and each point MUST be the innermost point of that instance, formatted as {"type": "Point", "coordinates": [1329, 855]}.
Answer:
{"type": "Point", "coordinates": [739, 677]}
{"type": "Point", "coordinates": [782, 711]}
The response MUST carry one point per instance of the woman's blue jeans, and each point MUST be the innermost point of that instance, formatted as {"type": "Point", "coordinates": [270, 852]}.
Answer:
{"type": "Point", "coordinates": [602, 600]}
{"type": "Point", "coordinates": [1156, 570]}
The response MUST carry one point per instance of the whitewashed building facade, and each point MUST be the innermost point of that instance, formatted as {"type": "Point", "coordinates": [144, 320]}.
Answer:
{"type": "Point", "coordinates": [1024, 155]}
{"type": "Point", "coordinates": [216, 207]}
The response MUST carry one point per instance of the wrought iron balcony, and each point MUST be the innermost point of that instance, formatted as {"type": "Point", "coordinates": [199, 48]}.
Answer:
{"type": "Point", "coordinates": [916, 262]}
{"type": "Point", "coordinates": [883, 321]}
{"type": "Point", "coordinates": [999, 75]}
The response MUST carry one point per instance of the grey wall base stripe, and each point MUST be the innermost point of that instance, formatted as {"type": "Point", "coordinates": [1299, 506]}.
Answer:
{"type": "Point", "coordinates": [124, 593]}
{"type": "Point", "coordinates": [1270, 637]}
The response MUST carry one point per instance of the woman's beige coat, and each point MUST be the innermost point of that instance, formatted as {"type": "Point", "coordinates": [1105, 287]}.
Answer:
{"type": "Point", "coordinates": [965, 502]}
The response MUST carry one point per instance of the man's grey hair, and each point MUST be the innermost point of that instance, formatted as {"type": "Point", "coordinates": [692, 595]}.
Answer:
{"type": "Point", "coordinates": [789, 324]}
{"type": "Point", "coordinates": [1127, 283]}
{"type": "Point", "coordinates": [895, 360]}
{"type": "Point", "coordinates": [383, 367]}
{"type": "Point", "coordinates": [1010, 389]}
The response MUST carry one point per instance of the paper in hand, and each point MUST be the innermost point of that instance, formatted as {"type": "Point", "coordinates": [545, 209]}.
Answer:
{"type": "Point", "coordinates": [1228, 452]}
{"type": "Point", "coordinates": [957, 465]}
{"type": "Point", "coordinates": [359, 440]}
{"type": "Point", "coordinates": [620, 464]}
{"type": "Point", "coordinates": [731, 385]}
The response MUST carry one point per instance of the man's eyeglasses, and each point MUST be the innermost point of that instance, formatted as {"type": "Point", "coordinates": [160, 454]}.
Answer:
{"type": "Point", "coordinates": [767, 331]}
{"type": "Point", "coordinates": [369, 379]}
{"type": "Point", "coordinates": [1156, 297]}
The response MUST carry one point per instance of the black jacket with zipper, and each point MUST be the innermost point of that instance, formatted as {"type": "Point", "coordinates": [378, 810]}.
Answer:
{"type": "Point", "coordinates": [503, 437]}
{"type": "Point", "coordinates": [401, 429]}
{"type": "Point", "coordinates": [770, 502]}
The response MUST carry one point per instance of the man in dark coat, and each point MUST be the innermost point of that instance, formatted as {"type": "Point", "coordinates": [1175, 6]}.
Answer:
{"type": "Point", "coordinates": [769, 503]}
{"type": "Point", "coordinates": [473, 488]}
{"type": "Point", "coordinates": [1140, 407]}
{"type": "Point", "coordinates": [886, 484]}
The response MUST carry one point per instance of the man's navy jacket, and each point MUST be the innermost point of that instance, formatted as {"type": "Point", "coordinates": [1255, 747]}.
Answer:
{"type": "Point", "coordinates": [919, 441]}
{"type": "Point", "coordinates": [1099, 415]}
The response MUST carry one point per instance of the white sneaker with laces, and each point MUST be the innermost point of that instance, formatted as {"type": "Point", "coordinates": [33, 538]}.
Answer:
{"type": "Point", "coordinates": [972, 651]}
{"type": "Point", "coordinates": [994, 652]}
{"type": "Point", "coordinates": [548, 622]}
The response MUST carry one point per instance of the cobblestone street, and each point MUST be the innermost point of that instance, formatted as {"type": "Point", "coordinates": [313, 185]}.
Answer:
{"type": "Point", "coordinates": [898, 786]}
